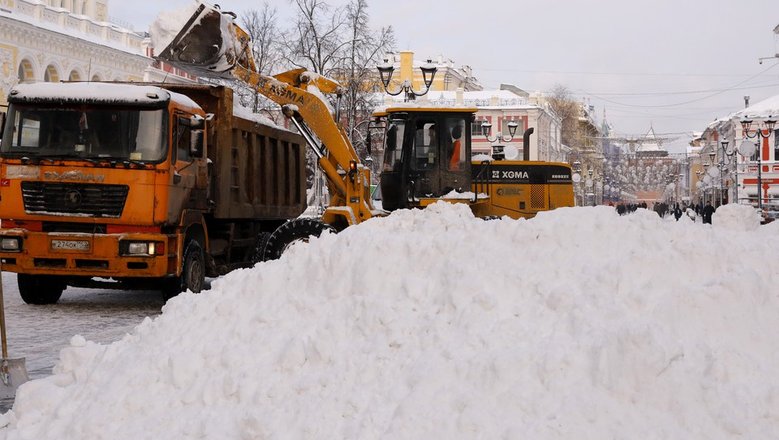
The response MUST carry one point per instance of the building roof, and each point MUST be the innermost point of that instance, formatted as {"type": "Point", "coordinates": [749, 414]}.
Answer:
{"type": "Point", "coordinates": [484, 99]}
{"type": "Point", "coordinates": [763, 109]}
{"type": "Point", "coordinates": [16, 13]}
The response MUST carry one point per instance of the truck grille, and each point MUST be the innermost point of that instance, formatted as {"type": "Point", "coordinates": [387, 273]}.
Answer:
{"type": "Point", "coordinates": [87, 200]}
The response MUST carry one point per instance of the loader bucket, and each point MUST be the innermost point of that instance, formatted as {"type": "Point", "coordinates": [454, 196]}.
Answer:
{"type": "Point", "coordinates": [209, 42]}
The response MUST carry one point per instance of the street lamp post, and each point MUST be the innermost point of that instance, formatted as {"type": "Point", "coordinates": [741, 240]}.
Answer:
{"type": "Point", "coordinates": [758, 136]}
{"type": "Point", "coordinates": [577, 178]}
{"type": "Point", "coordinates": [712, 156]}
{"type": "Point", "coordinates": [589, 186]}
{"type": "Point", "coordinates": [730, 154]}
{"type": "Point", "coordinates": [428, 73]}
{"type": "Point", "coordinates": [699, 187]}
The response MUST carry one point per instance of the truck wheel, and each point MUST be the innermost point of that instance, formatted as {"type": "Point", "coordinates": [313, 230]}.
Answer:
{"type": "Point", "coordinates": [193, 274]}
{"type": "Point", "coordinates": [293, 231]}
{"type": "Point", "coordinates": [259, 247]}
{"type": "Point", "coordinates": [40, 289]}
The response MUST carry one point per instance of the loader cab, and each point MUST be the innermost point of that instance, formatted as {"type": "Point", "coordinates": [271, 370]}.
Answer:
{"type": "Point", "coordinates": [426, 155]}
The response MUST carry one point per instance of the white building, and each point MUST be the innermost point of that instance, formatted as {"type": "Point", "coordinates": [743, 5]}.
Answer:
{"type": "Point", "coordinates": [70, 40]}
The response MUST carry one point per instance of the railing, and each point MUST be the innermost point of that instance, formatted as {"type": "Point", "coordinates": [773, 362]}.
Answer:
{"type": "Point", "coordinates": [37, 11]}
{"type": "Point", "coordinates": [481, 181]}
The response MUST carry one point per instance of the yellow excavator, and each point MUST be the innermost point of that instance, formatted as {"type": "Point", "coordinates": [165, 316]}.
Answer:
{"type": "Point", "coordinates": [427, 150]}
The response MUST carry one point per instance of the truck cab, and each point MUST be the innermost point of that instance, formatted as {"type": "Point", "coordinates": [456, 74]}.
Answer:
{"type": "Point", "coordinates": [137, 184]}
{"type": "Point", "coordinates": [426, 154]}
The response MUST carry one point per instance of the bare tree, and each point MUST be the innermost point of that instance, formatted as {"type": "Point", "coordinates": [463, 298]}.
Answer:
{"type": "Point", "coordinates": [357, 70]}
{"type": "Point", "coordinates": [266, 50]}
{"type": "Point", "coordinates": [339, 43]}
{"type": "Point", "coordinates": [316, 41]}
{"type": "Point", "coordinates": [568, 110]}
{"type": "Point", "coordinates": [265, 35]}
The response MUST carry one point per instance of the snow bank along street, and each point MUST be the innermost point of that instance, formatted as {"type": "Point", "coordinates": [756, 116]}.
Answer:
{"type": "Point", "coordinates": [434, 324]}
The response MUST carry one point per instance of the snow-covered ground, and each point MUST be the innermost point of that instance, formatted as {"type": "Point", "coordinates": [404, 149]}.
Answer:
{"type": "Point", "coordinates": [434, 324]}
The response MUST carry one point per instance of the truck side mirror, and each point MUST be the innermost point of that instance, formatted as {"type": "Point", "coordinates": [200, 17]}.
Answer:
{"type": "Point", "coordinates": [196, 122]}
{"type": "Point", "coordinates": [196, 144]}
{"type": "Point", "coordinates": [193, 122]}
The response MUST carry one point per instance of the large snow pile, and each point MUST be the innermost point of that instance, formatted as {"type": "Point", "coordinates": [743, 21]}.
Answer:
{"type": "Point", "coordinates": [434, 324]}
{"type": "Point", "coordinates": [734, 216]}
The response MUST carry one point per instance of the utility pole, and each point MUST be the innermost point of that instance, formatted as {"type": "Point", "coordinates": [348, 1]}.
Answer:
{"type": "Point", "coordinates": [760, 60]}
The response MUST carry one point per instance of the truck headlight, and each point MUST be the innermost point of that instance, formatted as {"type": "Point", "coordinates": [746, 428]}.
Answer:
{"type": "Point", "coordinates": [138, 248]}
{"type": "Point", "coordinates": [141, 248]}
{"type": "Point", "coordinates": [13, 244]}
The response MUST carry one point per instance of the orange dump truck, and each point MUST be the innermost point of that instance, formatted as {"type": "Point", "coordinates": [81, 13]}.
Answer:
{"type": "Point", "coordinates": [139, 186]}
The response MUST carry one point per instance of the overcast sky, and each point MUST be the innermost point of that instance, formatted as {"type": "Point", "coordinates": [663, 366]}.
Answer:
{"type": "Point", "coordinates": [675, 65]}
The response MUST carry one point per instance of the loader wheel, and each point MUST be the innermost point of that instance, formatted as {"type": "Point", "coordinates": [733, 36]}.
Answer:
{"type": "Point", "coordinates": [293, 231]}
{"type": "Point", "coordinates": [193, 274]}
{"type": "Point", "coordinates": [40, 289]}
{"type": "Point", "coordinates": [259, 247]}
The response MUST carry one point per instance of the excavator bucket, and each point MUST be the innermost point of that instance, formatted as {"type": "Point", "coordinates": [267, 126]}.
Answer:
{"type": "Point", "coordinates": [209, 42]}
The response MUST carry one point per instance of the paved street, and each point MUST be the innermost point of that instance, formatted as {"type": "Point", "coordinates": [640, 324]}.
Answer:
{"type": "Point", "coordinates": [37, 333]}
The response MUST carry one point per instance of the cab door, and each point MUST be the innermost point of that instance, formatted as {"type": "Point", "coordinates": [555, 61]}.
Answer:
{"type": "Point", "coordinates": [189, 182]}
{"type": "Point", "coordinates": [455, 166]}
{"type": "Point", "coordinates": [441, 152]}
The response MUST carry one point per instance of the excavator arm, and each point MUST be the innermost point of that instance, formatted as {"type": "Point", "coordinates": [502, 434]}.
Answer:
{"type": "Point", "coordinates": [211, 44]}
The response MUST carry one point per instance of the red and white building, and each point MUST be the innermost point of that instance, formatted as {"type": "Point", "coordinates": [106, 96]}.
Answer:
{"type": "Point", "coordinates": [735, 160]}
{"type": "Point", "coordinates": [767, 155]}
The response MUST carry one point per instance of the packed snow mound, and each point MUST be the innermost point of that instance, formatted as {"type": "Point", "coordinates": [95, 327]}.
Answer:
{"type": "Point", "coordinates": [579, 323]}
{"type": "Point", "coordinates": [168, 25]}
{"type": "Point", "coordinates": [735, 216]}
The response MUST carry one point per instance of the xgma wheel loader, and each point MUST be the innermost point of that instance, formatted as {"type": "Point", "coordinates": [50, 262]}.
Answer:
{"type": "Point", "coordinates": [420, 142]}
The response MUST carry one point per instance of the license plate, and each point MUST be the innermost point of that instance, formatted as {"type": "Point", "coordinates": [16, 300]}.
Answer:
{"type": "Point", "coordinates": [70, 245]}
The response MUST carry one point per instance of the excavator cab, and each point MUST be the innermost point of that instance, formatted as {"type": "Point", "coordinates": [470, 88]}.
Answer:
{"type": "Point", "coordinates": [426, 155]}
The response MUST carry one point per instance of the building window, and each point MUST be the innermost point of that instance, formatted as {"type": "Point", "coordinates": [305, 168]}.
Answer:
{"type": "Point", "coordinates": [776, 144]}
{"type": "Point", "coordinates": [51, 74]}
{"type": "Point", "coordinates": [758, 150]}
{"type": "Point", "coordinates": [26, 73]}
{"type": "Point", "coordinates": [476, 127]}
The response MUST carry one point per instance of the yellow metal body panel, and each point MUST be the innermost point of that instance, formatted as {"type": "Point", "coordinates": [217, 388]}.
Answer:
{"type": "Point", "coordinates": [522, 189]}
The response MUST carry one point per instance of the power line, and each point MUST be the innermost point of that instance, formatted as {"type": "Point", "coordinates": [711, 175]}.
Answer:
{"type": "Point", "coordinates": [733, 87]}
{"type": "Point", "coordinates": [562, 72]}
{"type": "Point", "coordinates": [691, 92]}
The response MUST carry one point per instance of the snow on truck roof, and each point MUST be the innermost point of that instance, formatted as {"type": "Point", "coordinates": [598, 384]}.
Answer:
{"type": "Point", "coordinates": [98, 93]}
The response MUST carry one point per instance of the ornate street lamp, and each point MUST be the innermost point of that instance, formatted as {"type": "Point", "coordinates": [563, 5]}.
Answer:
{"type": "Point", "coordinates": [745, 147]}
{"type": "Point", "coordinates": [428, 73]}
{"type": "Point", "coordinates": [727, 159]}
{"type": "Point", "coordinates": [486, 127]}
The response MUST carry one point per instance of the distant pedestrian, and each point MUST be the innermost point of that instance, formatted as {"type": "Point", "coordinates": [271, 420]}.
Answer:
{"type": "Point", "coordinates": [708, 210]}
{"type": "Point", "coordinates": [677, 212]}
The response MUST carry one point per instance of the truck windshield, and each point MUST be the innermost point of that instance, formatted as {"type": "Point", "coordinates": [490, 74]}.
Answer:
{"type": "Point", "coordinates": [86, 132]}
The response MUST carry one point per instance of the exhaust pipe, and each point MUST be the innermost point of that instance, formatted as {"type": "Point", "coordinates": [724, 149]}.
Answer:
{"type": "Point", "coordinates": [526, 143]}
